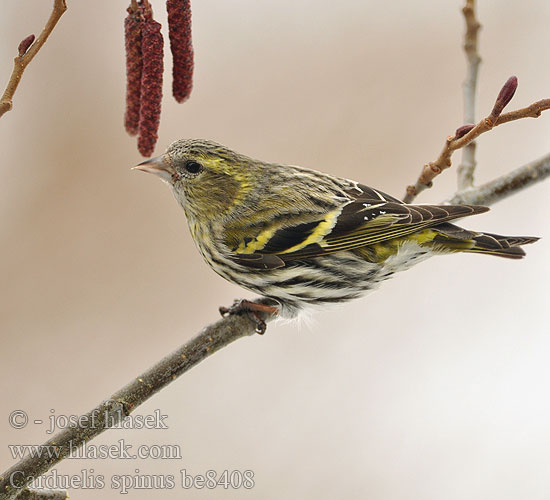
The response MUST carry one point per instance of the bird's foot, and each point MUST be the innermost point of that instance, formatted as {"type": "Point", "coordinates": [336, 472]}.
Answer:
{"type": "Point", "coordinates": [254, 309]}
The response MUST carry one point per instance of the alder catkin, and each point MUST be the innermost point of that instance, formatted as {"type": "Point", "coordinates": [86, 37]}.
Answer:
{"type": "Point", "coordinates": [179, 30]}
{"type": "Point", "coordinates": [132, 39]}
{"type": "Point", "coordinates": [151, 86]}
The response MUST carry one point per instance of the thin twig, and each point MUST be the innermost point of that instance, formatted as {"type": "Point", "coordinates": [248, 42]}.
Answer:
{"type": "Point", "coordinates": [465, 171]}
{"type": "Point", "coordinates": [110, 412]}
{"type": "Point", "coordinates": [467, 133]}
{"type": "Point", "coordinates": [532, 111]}
{"type": "Point", "coordinates": [24, 57]}
{"type": "Point", "coordinates": [504, 186]}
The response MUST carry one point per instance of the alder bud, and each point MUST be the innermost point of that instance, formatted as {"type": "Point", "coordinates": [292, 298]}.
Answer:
{"type": "Point", "coordinates": [505, 96]}
{"type": "Point", "coordinates": [25, 44]}
{"type": "Point", "coordinates": [462, 131]}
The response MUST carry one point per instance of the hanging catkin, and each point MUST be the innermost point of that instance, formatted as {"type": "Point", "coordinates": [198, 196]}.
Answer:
{"type": "Point", "coordinates": [132, 38]}
{"type": "Point", "coordinates": [151, 86]}
{"type": "Point", "coordinates": [179, 30]}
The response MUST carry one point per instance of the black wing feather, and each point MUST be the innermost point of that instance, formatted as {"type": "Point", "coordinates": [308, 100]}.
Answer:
{"type": "Point", "coordinates": [368, 218]}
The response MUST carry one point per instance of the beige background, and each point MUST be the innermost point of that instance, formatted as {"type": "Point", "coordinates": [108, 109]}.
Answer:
{"type": "Point", "coordinates": [434, 387]}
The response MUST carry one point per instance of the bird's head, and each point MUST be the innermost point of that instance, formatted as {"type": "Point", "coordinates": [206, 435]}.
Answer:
{"type": "Point", "coordinates": [207, 179]}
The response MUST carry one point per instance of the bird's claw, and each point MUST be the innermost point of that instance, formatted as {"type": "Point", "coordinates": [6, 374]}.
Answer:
{"type": "Point", "coordinates": [253, 308]}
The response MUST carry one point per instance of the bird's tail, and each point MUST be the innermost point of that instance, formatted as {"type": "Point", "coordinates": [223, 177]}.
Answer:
{"type": "Point", "coordinates": [455, 238]}
{"type": "Point", "coordinates": [502, 246]}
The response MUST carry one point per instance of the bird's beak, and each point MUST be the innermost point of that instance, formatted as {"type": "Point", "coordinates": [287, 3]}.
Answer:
{"type": "Point", "coordinates": [158, 166]}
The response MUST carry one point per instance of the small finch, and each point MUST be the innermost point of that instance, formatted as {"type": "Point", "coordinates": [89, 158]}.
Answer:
{"type": "Point", "coordinates": [300, 237]}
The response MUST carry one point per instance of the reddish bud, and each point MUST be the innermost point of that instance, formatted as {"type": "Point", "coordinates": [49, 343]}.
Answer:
{"type": "Point", "coordinates": [179, 29]}
{"type": "Point", "coordinates": [462, 131]}
{"type": "Point", "coordinates": [505, 96]}
{"type": "Point", "coordinates": [151, 86]}
{"type": "Point", "coordinates": [132, 38]}
{"type": "Point", "coordinates": [25, 44]}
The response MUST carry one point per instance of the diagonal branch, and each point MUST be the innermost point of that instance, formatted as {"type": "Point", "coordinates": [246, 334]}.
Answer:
{"type": "Point", "coordinates": [467, 166]}
{"type": "Point", "coordinates": [14, 481]}
{"type": "Point", "coordinates": [467, 133]}
{"type": "Point", "coordinates": [28, 48]}
{"type": "Point", "coordinates": [43, 494]}
{"type": "Point", "coordinates": [505, 185]}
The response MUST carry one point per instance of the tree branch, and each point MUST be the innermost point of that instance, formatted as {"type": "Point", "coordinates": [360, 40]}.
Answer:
{"type": "Point", "coordinates": [211, 339]}
{"type": "Point", "coordinates": [28, 48]}
{"type": "Point", "coordinates": [504, 186]}
{"type": "Point", "coordinates": [467, 133]}
{"type": "Point", "coordinates": [43, 495]}
{"type": "Point", "coordinates": [466, 169]}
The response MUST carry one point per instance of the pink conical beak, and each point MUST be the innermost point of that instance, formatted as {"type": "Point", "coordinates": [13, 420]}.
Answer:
{"type": "Point", "coordinates": [158, 166]}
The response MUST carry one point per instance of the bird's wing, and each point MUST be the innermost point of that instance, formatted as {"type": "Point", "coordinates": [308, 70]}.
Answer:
{"type": "Point", "coordinates": [367, 218]}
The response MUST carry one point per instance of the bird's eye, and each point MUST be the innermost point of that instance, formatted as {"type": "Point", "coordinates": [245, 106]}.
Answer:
{"type": "Point", "coordinates": [193, 167]}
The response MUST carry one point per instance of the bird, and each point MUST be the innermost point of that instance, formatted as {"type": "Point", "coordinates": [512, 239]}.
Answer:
{"type": "Point", "coordinates": [301, 238]}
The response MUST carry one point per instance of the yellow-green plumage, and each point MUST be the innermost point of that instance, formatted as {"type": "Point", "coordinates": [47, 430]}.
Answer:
{"type": "Point", "coordinates": [302, 237]}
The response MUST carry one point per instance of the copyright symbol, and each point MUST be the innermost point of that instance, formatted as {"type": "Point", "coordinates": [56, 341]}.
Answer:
{"type": "Point", "coordinates": [18, 419]}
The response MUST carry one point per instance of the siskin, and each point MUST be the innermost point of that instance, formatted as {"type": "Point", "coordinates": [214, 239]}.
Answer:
{"type": "Point", "coordinates": [300, 237]}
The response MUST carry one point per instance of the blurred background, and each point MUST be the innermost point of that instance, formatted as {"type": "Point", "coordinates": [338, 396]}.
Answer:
{"type": "Point", "coordinates": [435, 386]}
